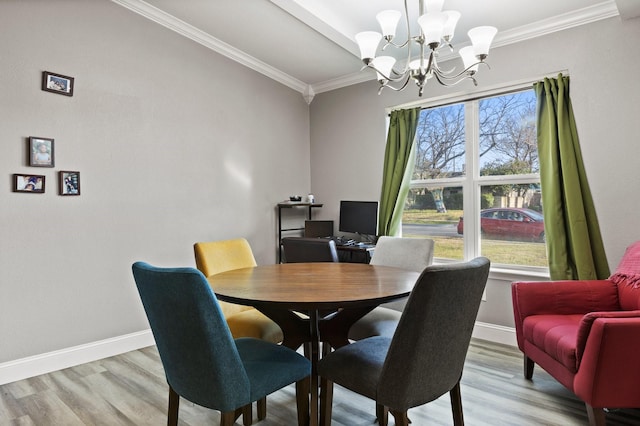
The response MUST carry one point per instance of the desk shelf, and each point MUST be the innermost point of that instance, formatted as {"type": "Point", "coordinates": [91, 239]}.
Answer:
{"type": "Point", "coordinates": [293, 205]}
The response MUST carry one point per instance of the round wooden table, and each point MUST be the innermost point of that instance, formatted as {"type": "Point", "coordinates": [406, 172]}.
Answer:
{"type": "Point", "coordinates": [332, 295]}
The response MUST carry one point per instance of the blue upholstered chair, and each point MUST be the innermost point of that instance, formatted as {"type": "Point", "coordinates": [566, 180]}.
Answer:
{"type": "Point", "coordinates": [201, 360]}
{"type": "Point", "coordinates": [424, 358]}
{"type": "Point", "coordinates": [215, 257]}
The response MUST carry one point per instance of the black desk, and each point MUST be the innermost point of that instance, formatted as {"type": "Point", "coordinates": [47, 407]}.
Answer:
{"type": "Point", "coordinates": [355, 253]}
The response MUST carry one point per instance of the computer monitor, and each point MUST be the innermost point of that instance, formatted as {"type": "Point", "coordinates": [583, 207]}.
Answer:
{"type": "Point", "coordinates": [318, 228]}
{"type": "Point", "coordinates": [359, 217]}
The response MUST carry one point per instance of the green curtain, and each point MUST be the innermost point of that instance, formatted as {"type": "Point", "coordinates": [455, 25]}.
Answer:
{"type": "Point", "coordinates": [399, 158]}
{"type": "Point", "coordinates": [574, 242]}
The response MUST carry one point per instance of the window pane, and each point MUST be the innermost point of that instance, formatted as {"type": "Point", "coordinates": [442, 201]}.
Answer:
{"type": "Point", "coordinates": [512, 225]}
{"type": "Point", "coordinates": [508, 144]}
{"type": "Point", "coordinates": [440, 143]}
{"type": "Point", "coordinates": [434, 213]}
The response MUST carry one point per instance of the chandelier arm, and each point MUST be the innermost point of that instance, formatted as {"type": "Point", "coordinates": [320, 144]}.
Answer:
{"type": "Point", "coordinates": [407, 43]}
{"type": "Point", "coordinates": [386, 77]}
{"type": "Point", "coordinates": [439, 70]}
{"type": "Point", "coordinates": [464, 71]}
{"type": "Point", "coordinates": [396, 89]}
{"type": "Point", "coordinates": [398, 46]}
{"type": "Point", "coordinates": [453, 83]}
{"type": "Point", "coordinates": [446, 83]}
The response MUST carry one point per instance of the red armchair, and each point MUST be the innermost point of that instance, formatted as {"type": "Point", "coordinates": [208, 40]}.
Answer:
{"type": "Point", "coordinates": [586, 334]}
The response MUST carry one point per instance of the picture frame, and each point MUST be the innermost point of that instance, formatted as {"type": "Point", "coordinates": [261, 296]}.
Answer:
{"type": "Point", "coordinates": [68, 182]}
{"type": "Point", "coordinates": [32, 184]}
{"type": "Point", "coordinates": [57, 83]}
{"type": "Point", "coordinates": [41, 152]}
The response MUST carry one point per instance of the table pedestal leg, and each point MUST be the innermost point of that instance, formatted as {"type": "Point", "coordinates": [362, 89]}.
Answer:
{"type": "Point", "coordinates": [315, 355]}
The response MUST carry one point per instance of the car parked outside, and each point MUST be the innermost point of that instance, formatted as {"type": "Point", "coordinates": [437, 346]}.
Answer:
{"type": "Point", "coordinates": [510, 223]}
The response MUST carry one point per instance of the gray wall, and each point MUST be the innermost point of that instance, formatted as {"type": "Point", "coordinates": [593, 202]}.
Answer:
{"type": "Point", "coordinates": [348, 130]}
{"type": "Point", "coordinates": [174, 144]}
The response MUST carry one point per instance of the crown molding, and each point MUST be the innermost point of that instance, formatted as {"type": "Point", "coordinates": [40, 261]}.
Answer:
{"type": "Point", "coordinates": [558, 23]}
{"type": "Point", "coordinates": [562, 22]}
{"type": "Point", "coordinates": [174, 24]}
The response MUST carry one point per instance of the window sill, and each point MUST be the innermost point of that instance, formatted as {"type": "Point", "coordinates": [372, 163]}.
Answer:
{"type": "Point", "coordinates": [509, 273]}
{"type": "Point", "coordinates": [504, 273]}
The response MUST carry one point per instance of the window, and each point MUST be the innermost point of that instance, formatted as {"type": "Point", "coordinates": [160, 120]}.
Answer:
{"type": "Point", "coordinates": [476, 187]}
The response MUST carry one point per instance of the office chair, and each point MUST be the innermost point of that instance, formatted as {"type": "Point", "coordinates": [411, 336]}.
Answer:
{"type": "Point", "coordinates": [425, 357]}
{"type": "Point", "coordinates": [201, 360]}
{"type": "Point", "coordinates": [298, 249]}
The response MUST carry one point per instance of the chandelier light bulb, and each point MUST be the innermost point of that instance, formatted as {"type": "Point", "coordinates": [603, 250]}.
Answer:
{"type": "Point", "coordinates": [481, 38]}
{"type": "Point", "coordinates": [434, 6]}
{"type": "Point", "coordinates": [368, 42]}
{"type": "Point", "coordinates": [388, 20]}
{"type": "Point", "coordinates": [450, 24]}
{"type": "Point", "coordinates": [432, 25]}
{"type": "Point", "coordinates": [468, 56]}
{"type": "Point", "coordinates": [383, 66]}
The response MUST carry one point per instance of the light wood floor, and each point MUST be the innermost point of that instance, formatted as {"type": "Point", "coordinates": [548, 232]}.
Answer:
{"type": "Point", "coordinates": [130, 389]}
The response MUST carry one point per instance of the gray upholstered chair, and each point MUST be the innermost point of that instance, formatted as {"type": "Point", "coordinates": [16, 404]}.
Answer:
{"type": "Point", "coordinates": [202, 362]}
{"type": "Point", "coordinates": [300, 249]}
{"type": "Point", "coordinates": [413, 254]}
{"type": "Point", "coordinates": [426, 355]}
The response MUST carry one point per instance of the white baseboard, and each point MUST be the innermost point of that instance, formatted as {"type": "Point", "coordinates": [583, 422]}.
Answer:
{"type": "Point", "coordinates": [24, 368]}
{"type": "Point", "coordinates": [495, 333]}
{"type": "Point", "coordinates": [57, 360]}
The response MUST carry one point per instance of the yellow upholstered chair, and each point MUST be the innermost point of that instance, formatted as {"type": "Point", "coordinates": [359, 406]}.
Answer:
{"type": "Point", "coordinates": [215, 257]}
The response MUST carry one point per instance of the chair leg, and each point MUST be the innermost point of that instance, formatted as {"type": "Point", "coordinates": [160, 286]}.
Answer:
{"type": "Point", "coordinates": [326, 401]}
{"type": "Point", "coordinates": [382, 414]}
{"type": "Point", "coordinates": [401, 418]}
{"type": "Point", "coordinates": [596, 416]}
{"type": "Point", "coordinates": [247, 415]}
{"type": "Point", "coordinates": [326, 349]}
{"type": "Point", "coordinates": [262, 408]}
{"type": "Point", "coordinates": [528, 367]}
{"type": "Point", "coordinates": [228, 418]}
{"type": "Point", "coordinates": [302, 401]}
{"type": "Point", "coordinates": [456, 405]}
{"type": "Point", "coordinates": [174, 405]}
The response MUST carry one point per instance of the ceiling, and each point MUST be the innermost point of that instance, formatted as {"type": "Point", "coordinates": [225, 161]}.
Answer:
{"type": "Point", "coordinates": [308, 45]}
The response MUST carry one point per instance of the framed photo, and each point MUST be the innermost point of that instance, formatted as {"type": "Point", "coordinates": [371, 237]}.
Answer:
{"type": "Point", "coordinates": [41, 152]}
{"type": "Point", "coordinates": [28, 183]}
{"type": "Point", "coordinates": [69, 182]}
{"type": "Point", "coordinates": [56, 83]}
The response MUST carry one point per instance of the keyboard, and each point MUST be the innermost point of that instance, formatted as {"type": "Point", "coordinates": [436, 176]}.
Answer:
{"type": "Point", "coordinates": [340, 241]}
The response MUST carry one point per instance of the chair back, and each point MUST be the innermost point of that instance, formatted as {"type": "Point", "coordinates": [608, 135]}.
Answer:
{"type": "Point", "coordinates": [413, 254]}
{"type": "Point", "coordinates": [199, 356]}
{"type": "Point", "coordinates": [214, 257]}
{"type": "Point", "coordinates": [627, 278]}
{"type": "Point", "coordinates": [428, 350]}
{"type": "Point", "coordinates": [298, 250]}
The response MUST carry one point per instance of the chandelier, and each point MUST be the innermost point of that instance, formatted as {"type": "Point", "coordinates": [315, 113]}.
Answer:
{"type": "Point", "coordinates": [421, 64]}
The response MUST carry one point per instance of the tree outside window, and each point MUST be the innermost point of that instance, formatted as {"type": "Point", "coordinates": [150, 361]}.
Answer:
{"type": "Point", "coordinates": [476, 186]}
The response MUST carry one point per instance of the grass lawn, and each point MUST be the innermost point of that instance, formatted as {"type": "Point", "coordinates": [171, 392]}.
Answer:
{"type": "Point", "coordinates": [499, 251]}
